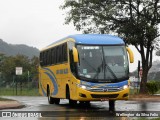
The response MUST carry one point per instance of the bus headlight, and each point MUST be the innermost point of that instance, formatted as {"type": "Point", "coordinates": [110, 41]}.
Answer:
{"type": "Point", "coordinates": [125, 87]}
{"type": "Point", "coordinates": [84, 87]}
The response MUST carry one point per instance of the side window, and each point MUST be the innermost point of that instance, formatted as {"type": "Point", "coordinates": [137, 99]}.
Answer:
{"type": "Point", "coordinates": [62, 57]}
{"type": "Point", "coordinates": [60, 54]}
{"type": "Point", "coordinates": [45, 58]}
{"type": "Point", "coordinates": [52, 56]}
{"type": "Point", "coordinates": [57, 54]}
{"type": "Point", "coordinates": [49, 57]}
{"type": "Point", "coordinates": [64, 49]}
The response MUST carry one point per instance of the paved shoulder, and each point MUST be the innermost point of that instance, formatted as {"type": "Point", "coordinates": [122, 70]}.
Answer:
{"type": "Point", "coordinates": [10, 105]}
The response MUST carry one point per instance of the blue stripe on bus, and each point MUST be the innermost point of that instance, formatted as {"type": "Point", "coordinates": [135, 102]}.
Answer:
{"type": "Point", "coordinates": [54, 83]}
{"type": "Point", "coordinates": [44, 93]}
{"type": "Point", "coordinates": [103, 85]}
{"type": "Point", "coordinates": [53, 78]}
{"type": "Point", "coordinates": [50, 72]}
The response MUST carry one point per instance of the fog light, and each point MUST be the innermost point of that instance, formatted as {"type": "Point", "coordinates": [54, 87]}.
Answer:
{"type": "Point", "coordinates": [82, 95]}
{"type": "Point", "coordinates": [125, 95]}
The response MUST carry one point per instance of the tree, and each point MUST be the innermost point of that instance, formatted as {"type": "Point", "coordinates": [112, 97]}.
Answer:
{"type": "Point", "coordinates": [136, 21]}
{"type": "Point", "coordinates": [34, 69]}
{"type": "Point", "coordinates": [158, 53]}
{"type": "Point", "coordinates": [2, 57]}
{"type": "Point", "coordinates": [11, 62]}
{"type": "Point", "coordinates": [157, 46]}
{"type": "Point", "coordinates": [8, 68]}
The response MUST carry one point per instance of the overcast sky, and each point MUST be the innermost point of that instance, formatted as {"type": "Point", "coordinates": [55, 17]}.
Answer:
{"type": "Point", "coordinates": [33, 22]}
{"type": "Point", "coordinates": [36, 23]}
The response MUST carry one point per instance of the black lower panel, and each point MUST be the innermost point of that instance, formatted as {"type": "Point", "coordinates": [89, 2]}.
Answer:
{"type": "Point", "coordinates": [104, 96]}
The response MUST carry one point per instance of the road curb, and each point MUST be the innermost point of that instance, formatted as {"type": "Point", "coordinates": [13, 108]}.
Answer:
{"type": "Point", "coordinates": [11, 105]}
{"type": "Point", "coordinates": [144, 99]}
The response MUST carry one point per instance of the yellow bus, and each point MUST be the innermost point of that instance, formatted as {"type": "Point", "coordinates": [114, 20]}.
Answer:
{"type": "Point", "coordinates": [84, 68]}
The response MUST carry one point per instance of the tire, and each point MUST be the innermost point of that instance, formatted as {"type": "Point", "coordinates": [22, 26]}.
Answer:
{"type": "Point", "coordinates": [85, 103]}
{"type": "Point", "coordinates": [111, 105]}
{"type": "Point", "coordinates": [71, 102]}
{"type": "Point", "coordinates": [50, 99]}
{"type": "Point", "coordinates": [56, 101]}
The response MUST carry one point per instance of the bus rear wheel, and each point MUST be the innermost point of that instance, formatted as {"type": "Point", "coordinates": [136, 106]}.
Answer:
{"type": "Point", "coordinates": [50, 99]}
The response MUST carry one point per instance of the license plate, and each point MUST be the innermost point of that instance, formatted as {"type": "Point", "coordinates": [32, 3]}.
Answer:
{"type": "Point", "coordinates": [104, 99]}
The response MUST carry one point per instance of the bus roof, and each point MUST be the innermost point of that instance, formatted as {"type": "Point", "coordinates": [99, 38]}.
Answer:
{"type": "Point", "coordinates": [91, 39]}
{"type": "Point", "coordinates": [98, 39]}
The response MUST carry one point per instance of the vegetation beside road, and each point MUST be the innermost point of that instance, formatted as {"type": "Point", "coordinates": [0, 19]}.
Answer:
{"type": "Point", "coordinates": [13, 84]}
{"type": "Point", "coordinates": [153, 87]}
{"type": "Point", "coordinates": [23, 92]}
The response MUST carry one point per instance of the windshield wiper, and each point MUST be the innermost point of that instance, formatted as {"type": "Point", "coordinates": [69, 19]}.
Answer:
{"type": "Point", "coordinates": [106, 65]}
{"type": "Point", "coordinates": [110, 70]}
{"type": "Point", "coordinates": [98, 71]}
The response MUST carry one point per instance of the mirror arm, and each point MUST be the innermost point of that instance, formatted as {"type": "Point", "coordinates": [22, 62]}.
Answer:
{"type": "Point", "coordinates": [75, 55]}
{"type": "Point", "coordinates": [131, 56]}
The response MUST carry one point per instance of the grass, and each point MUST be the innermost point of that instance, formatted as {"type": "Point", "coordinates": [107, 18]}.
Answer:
{"type": "Point", "coordinates": [19, 92]}
{"type": "Point", "coordinates": [136, 91]}
{"type": "Point", "coordinates": [158, 92]}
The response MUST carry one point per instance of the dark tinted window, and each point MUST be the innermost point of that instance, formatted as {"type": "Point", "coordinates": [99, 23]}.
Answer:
{"type": "Point", "coordinates": [55, 55]}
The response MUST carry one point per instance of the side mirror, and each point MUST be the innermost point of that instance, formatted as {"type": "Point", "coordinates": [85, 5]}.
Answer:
{"type": "Point", "coordinates": [131, 56]}
{"type": "Point", "coordinates": [75, 55]}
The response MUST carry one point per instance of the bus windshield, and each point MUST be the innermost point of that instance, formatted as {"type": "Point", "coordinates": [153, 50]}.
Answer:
{"type": "Point", "coordinates": [103, 63]}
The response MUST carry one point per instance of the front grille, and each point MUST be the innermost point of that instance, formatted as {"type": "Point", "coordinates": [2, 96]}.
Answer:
{"type": "Point", "coordinates": [104, 89]}
{"type": "Point", "coordinates": [104, 96]}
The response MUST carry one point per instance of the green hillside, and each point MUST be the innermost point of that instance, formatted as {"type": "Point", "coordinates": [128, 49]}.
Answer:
{"type": "Point", "coordinates": [12, 50]}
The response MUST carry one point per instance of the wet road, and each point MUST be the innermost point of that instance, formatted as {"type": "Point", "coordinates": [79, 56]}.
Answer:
{"type": "Point", "coordinates": [63, 111]}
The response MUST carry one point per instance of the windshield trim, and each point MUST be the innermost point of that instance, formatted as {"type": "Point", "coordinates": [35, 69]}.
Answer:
{"type": "Point", "coordinates": [115, 80]}
{"type": "Point", "coordinates": [102, 80]}
{"type": "Point", "coordinates": [99, 44]}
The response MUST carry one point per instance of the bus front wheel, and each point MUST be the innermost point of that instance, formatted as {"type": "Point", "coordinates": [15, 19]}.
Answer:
{"type": "Point", "coordinates": [56, 100]}
{"type": "Point", "coordinates": [71, 102]}
{"type": "Point", "coordinates": [85, 103]}
{"type": "Point", "coordinates": [111, 105]}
